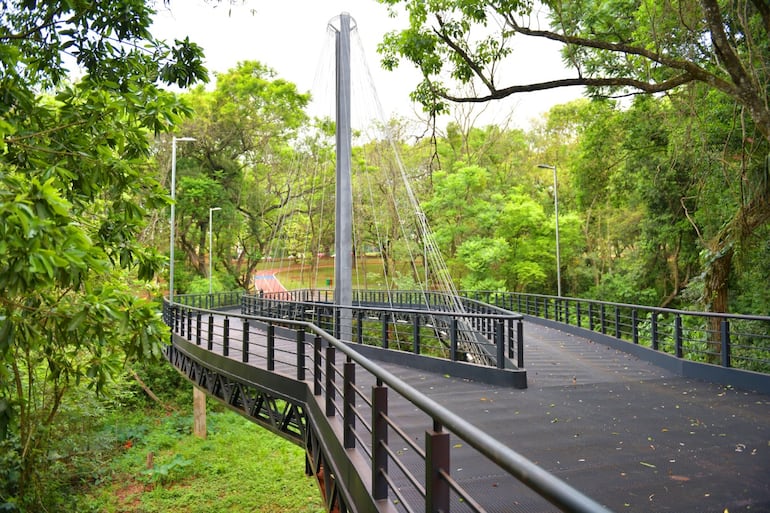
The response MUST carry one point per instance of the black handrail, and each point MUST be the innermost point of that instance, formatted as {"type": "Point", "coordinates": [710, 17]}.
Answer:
{"type": "Point", "coordinates": [488, 335]}
{"type": "Point", "coordinates": [324, 384]}
{"type": "Point", "coordinates": [725, 339]}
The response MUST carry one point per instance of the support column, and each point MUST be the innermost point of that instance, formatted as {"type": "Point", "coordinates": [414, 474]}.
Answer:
{"type": "Point", "coordinates": [343, 232]}
{"type": "Point", "coordinates": [199, 412]}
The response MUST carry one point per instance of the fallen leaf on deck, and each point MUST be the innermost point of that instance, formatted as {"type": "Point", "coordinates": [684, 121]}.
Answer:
{"type": "Point", "coordinates": [680, 478]}
{"type": "Point", "coordinates": [647, 464]}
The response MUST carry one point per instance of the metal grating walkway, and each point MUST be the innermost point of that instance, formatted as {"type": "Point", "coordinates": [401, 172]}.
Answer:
{"type": "Point", "coordinates": [625, 432]}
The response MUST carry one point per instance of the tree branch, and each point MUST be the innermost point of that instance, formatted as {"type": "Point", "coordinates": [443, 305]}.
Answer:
{"type": "Point", "coordinates": [645, 87]}
{"type": "Point", "coordinates": [464, 55]}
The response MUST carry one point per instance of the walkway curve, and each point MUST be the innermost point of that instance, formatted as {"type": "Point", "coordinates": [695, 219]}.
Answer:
{"type": "Point", "coordinates": [627, 433]}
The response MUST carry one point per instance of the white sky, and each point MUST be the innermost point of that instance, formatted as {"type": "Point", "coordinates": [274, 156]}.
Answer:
{"type": "Point", "coordinates": [290, 36]}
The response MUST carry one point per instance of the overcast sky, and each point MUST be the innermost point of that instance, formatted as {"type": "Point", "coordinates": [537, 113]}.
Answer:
{"type": "Point", "coordinates": [291, 37]}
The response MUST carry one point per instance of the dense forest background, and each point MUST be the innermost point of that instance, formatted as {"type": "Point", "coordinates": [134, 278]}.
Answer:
{"type": "Point", "coordinates": [663, 186]}
{"type": "Point", "coordinates": [644, 185]}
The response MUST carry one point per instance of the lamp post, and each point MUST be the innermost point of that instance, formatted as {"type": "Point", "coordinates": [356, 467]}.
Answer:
{"type": "Point", "coordinates": [211, 248]}
{"type": "Point", "coordinates": [556, 214]}
{"type": "Point", "coordinates": [174, 140]}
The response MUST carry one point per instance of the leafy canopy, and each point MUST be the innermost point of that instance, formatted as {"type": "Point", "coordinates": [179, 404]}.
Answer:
{"type": "Point", "coordinates": [75, 184]}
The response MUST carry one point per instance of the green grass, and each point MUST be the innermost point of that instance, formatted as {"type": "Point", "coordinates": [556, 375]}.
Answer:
{"type": "Point", "coordinates": [239, 467]}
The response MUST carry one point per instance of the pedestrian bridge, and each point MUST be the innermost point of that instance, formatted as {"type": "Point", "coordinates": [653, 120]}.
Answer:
{"type": "Point", "coordinates": [519, 404]}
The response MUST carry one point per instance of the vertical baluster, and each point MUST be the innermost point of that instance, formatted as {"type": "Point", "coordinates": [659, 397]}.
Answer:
{"type": "Point", "coordinates": [226, 338]}
{"type": "Point", "coordinates": [198, 328]}
{"type": "Point", "coordinates": [349, 397]}
{"type": "Point", "coordinates": [379, 442]}
{"type": "Point", "coordinates": [635, 325]}
{"type": "Point", "coordinates": [245, 347]}
{"type": "Point", "coordinates": [385, 321]}
{"type": "Point", "coordinates": [360, 321]}
{"type": "Point", "coordinates": [436, 460]}
{"type": "Point", "coordinates": [500, 343]}
{"type": "Point", "coordinates": [725, 336]}
{"type": "Point", "coordinates": [416, 333]}
{"type": "Point", "coordinates": [270, 346]}
{"type": "Point", "coordinates": [678, 336]}
{"type": "Point", "coordinates": [331, 392]}
{"type": "Point", "coordinates": [301, 354]}
{"type": "Point", "coordinates": [520, 344]}
{"type": "Point", "coordinates": [453, 339]}
{"type": "Point", "coordinates": [210, 340]}
{"type": "Point", "coordinates": [317, 365]}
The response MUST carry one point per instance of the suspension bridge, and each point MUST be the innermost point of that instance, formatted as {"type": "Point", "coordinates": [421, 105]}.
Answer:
{"type": "Point", "coordinates": [434, 400]}
{"type": "Point", "coordinates": [413, 426]}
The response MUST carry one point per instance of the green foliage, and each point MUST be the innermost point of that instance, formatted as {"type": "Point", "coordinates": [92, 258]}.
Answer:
{"type": "Point", "coordinates": [239, 467]}
{"type": "Point", "coordinates": [74, 192]}
{"type": "Point", "coordinates": [243, 158]}
{"type": "Point", "coordinates": [168, 471]}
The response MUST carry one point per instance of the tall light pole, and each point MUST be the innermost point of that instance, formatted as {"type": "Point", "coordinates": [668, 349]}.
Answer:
{"type": "Point", "coordinates": [556, 214]}
{"type": "Point", "coordinates": [211, 248]}
{"type": "Point", "coordinates": [174, 140]}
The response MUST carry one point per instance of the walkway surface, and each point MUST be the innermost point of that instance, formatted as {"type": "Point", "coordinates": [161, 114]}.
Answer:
{"type": "Point", "coordinates": [625, 432]}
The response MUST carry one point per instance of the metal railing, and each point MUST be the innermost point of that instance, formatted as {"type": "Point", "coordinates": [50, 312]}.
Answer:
{"type": "Point", "coordinates": [408, 467]}
{"type": "Point", "coordinates": [730, 340]}
{"type": "Point", "coordinates": [482, 334]}
{"type": "Point", "coordinates": [212, 301]}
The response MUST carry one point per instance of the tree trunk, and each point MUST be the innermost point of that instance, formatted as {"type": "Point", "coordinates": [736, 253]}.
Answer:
{"type": "Point", "coordinates": [716, 295]}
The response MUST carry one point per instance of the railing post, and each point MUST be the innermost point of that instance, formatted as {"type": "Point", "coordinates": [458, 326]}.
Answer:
{"type": "Point", "coordinates": [678, 335]}
{"type": "Point", "coordinates": [331, 393]}
{"type": "Point", "coordinates": [210, 339]}
{"type": "Point", "coordinates": [271, 347]}
{"type": "Point", "coordinates": [360, 319]}
{"type": "Point", "coordinates": [635, 325]}
{"type": "Point", "coordinates": [436, 461]}
{"type": "Point", "coordinates": [301, 354]}
{"type": "Point", "coordinates": [226, 338]}
{"type": "Point", "coordinates": [349, 396]}
{"type": "Point", "coordinates": [500, 343]}
{"type": "Point", "coordinates": [182, 322]}
{"type": "Point", "coordinates": [379, 442]}
{"type": "Point", "coordinates": [591, 316]}
{"type": "Point", "coordinates": [189, 327]}
{"type": "Point", "coordinates": [198, 330]}
{"type": "Point", "coordinates": [654, 330]}
{"type": "Point", "coordinates": [603, 318]}
{"type": "Point", "coordinates": [384, 337]}
{"type": "Point", "coordinates": [565, 305]}
{"type": "Point", "coordinates": [617, 321]}
{"type": "Point", "coordinates": [725, 335]}
{"type": "Point", "coordinates": [453, 339]}
{"type": "Point", "coordinates": [416, 333]}
{"type": "Point", "coordinates": [337, 327]}
{"type": "Point", "coordinates": [520, 344]}
{"type": "Point", "coordinates": [245, 347]}
{"type": "Point", "coordinates": [317, 365]}
{"type": "Point", "coordinates": [579, 318]}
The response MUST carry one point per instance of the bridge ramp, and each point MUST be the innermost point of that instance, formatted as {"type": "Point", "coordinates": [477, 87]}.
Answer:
{"type": "Point", "coordinates": [627, 433]}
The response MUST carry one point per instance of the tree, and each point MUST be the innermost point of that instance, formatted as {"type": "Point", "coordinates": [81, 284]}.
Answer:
{"type": "Point", "coordinates": [614, 48]}
{"type": "Point", "coordinates": [75, 183]}
{"type": "Point", "coordinates": [242, 161]}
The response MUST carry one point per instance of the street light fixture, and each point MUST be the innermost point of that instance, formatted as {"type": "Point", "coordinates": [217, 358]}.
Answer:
{"type": "Point", "coordinates": [174, 140]}
{"type": "Point", "coordinates": [211, 248]}
{"type": "Point", "coordinates": [556, 214]}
